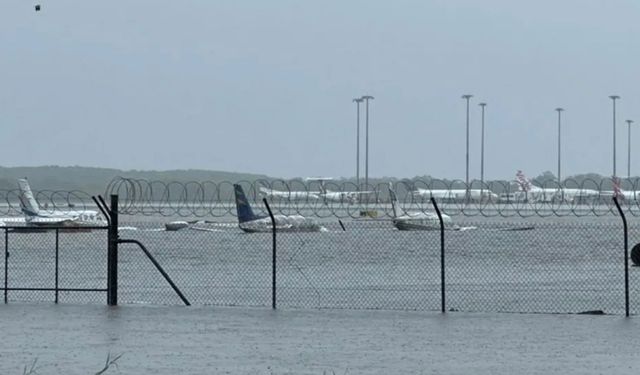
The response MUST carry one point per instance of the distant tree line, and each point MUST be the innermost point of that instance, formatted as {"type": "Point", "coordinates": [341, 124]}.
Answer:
{"type": "Point", "coordinates": [95, 180]}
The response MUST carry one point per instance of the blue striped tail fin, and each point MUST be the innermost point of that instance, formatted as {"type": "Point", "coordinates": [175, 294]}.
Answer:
{"type": "Point", "coordinates": [245, 213]}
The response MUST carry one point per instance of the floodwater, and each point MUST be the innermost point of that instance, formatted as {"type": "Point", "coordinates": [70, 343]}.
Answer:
{"type": "Point", "coordinates": [72, 339]}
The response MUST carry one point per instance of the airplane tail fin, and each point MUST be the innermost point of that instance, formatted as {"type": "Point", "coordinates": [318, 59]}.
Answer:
{"type": "Point", "coordinates": [395, 207]}
{"type": "Point", "coordinates": [245, 213]}
{"type": "Point", "coordinates": [323, 189]}
{"type": "Point", "coordinates": [617, 189]}
{"type": "Point", "coordinates": [523, 182]}
{"type": "Point", "coordinates": [28, 202]}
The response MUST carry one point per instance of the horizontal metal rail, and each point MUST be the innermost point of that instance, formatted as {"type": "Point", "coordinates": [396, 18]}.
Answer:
{"type": "Point", "coordinates": [57, 289]}
{"type": "Point", "coordinates": [78, 228]}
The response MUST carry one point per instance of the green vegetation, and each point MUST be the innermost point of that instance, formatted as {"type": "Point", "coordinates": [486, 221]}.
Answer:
{"type": "Point", "coordinates": [95, 180]}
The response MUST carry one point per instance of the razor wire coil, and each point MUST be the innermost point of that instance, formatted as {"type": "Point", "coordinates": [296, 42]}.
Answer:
{"type": "Point", "coordinates": [345, 200]}
{"type": "Point", "coordinates": [215, 199]}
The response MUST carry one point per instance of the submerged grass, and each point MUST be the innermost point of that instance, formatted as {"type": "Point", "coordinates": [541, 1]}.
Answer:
{"type": "Point", "coordinates": [110, 362]}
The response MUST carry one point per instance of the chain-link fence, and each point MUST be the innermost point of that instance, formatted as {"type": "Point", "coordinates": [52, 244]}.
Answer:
{"type": "Point", "coordinates": [365, 265]}
{"type": "Point", "coordinates": [515, 266]}
{"type": "Point", "coordinates": [544, 265]}
{"type": "Point", "coordinates": [211, 264]}
{"type": "Point", "coordinates": [66, 265]}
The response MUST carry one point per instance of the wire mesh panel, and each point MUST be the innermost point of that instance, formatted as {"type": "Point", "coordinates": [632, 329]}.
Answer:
{"type": "Point", "coordinates": [544, 267]}
{"type": "Point", "coordinates": [212, 264]}
{"type": "Point", "coordinates": [369, 265]}
{"type": "Point", "coordinates": [82, 265]}
{"type": "Point", "coordinates": [564, 256]}
{"type": "Point", "coordinates": [3, 264]}
{"type": "Point", "coordinates": [31, 264]}
{"type": "Point", "coordinates": [525, 266]}
{"type": "Point", "coordinates": [42, 263]}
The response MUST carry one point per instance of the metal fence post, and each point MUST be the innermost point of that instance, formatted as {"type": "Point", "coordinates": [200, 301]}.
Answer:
{"type": "Point", "coordinates": [57, 263]}
{"type": "Point", "coordinates": [6, 264]}
{"type": "Point", "coordinates": [442, 264]}
{"type": "Point", "coordinates": [626, 256]}
{"type": "Point", "coordinates": [273, 257]}
{"type": "Point", "coordinates": [112, 254]}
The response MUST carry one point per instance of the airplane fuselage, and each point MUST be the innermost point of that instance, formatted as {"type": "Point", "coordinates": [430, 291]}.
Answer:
{"type": "Point", "coordinates": [458, 195]}
{"type": "Point", "coordinates": [548, 195]}
{"type": "Point", "coordinates": [290, 195]}
{"type": "Point", "coordinates": [292, 223]}
{"type": "Point", "coordinates": [66, 218]}
{"type": "Point", "coordinates": [420, 221]}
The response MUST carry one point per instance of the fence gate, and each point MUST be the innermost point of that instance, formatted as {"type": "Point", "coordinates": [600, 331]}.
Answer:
{"type": "Point", "coordinates": [58, 264]}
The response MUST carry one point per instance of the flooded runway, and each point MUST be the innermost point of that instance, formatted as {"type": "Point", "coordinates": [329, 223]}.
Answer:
{"type": "Point", "coordinates": [71, 339]}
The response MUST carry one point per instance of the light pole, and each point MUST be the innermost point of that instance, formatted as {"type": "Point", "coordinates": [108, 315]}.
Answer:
{"type": "Point", "coordinates": [629, 122]}
{"type": "Point", "coordinates": [559, 110]}
{"type": "Point", "coordinates": [467, 97]}
{"type": "Point", "coordinates": [358, 101]}
{"type": "Point", "coordinates": [366, 98]}
{"type": "Point", "coordinates": [483, 105]}
{"type": "Point", "coordinates": [614, 98]}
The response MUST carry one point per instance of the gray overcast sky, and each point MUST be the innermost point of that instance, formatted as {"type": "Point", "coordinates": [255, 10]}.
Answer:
{"type": "Point", "coordinates": [266, 86]}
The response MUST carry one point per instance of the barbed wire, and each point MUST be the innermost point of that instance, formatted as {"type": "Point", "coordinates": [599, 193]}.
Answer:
{"type": "Point", "coordinates": [344, 199]}
{"type": "Point", "coordinates": [49, 201]}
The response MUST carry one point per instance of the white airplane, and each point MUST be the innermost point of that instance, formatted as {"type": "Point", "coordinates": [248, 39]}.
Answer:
{"type": "Point", "coordinates": [251, 223]}
{"type": "Point", "coordinates": [33, 216]}
{"type": "Point", "coordinates": [633, 195]}
{"type": "Point", "coordinates": [457, 195]}
{"type": "Point", "coordinates": [350, 197]}
{"type": "Point", "coordinates": [626, 195]}
{"type": "Point", "coordinates": [416, 220]}
{"type": "Point", "coordinates": [529, 192]}
{"type": "Point", "coordinates": [291, 196]}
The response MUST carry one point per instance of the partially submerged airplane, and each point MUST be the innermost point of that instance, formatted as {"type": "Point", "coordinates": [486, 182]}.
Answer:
{"type": "Point", "coordinates": [416, 220]}
{"type": "Point", "coordinates": [251, 223]}
{"type": "Point", "coordinates": [34, 216]}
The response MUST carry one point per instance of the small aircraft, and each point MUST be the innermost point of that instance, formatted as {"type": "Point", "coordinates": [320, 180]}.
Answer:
{"type": "Point", "coordinates": [251, 223]}
{"type": "Point", "coordinates": [416, 220]}
{"type": "Point", "coordinates": [34, 216]}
